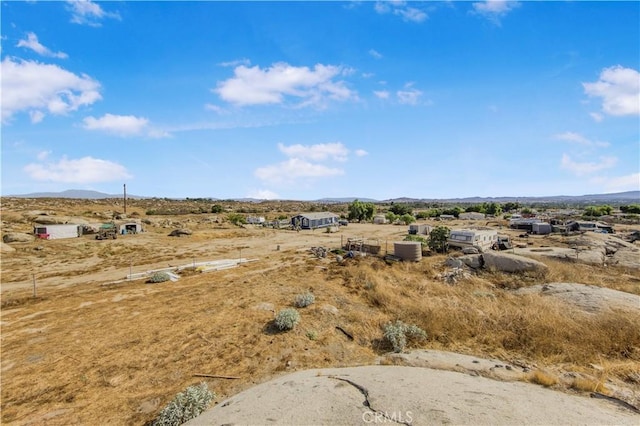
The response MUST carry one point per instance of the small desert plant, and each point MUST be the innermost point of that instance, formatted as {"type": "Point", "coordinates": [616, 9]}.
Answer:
{"type": "Point", "coordinates": [311, 334]}
{"type": "Point", "coordinates": [304, 300]}
{"type": "Point", "coordinates": [287, 319]}
{"type": "Point", "coordinates": [397, 333]}
{"type": "Point", "coordinates": [159, 277]}
{"type": "Point", "coordinates": [185, 406]}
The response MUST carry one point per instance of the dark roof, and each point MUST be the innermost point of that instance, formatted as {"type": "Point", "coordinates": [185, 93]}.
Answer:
{"type": "Point", "coordinates": [319, 215]}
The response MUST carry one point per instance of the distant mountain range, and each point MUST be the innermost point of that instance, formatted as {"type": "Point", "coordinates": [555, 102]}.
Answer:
{"type": "Point", "coordinates": [619, 197]}
{"type": "Point", "coordinates": [75, 193]}
{"type": "Point", "coordinates": [628, 196]}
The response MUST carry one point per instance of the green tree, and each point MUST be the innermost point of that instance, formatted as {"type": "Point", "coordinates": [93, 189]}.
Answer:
{"type": "Point", "coordinates": [438, 239]}
{"type": "Point", "coordinates": [511, 206]}
{"type": "Point", "coordinates": [407, 218]}
{"type": "Point", "coordinates": [391, 217]}
{"type": "Point", "coordinates": [455, 211]}
{"type": "Point", "coordinates": [361, 211]}
{"type": "Point", "coordinates": [493, 209]}
{"type": "Point", "coordinates": [630, 209]}
{"type": "Point", "coordinates": [401, 209]}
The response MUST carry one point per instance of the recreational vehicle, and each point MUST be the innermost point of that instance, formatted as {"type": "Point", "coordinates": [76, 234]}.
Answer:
{"type": "Point", "coordinates": [481, 239]}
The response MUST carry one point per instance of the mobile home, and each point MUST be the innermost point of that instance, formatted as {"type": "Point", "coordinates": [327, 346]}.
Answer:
{"type": "Point", "coordinates": [54, 232]}
{"type": "Point", "coordinates": [315, 220]}
{"type": "Point", "coordinates": [481, 239]}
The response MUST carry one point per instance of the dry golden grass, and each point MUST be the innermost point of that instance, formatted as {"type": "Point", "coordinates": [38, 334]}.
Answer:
{"type": "Point", "coordinates": [588, 385]}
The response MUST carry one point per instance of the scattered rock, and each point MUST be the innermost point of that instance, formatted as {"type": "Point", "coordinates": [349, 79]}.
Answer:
{"type": "Point", "coordinates": [470, 250]}
{"type": "Point", "coordinates": [180, 232]}
{"type": "Point", "coordinates": [454, 263]}
{"type": "Point", "coordinates": [472, 260]}
{"type": "Point", "coordinates": [16, 237]}
{"type": "Point", "coordinates": [329, 309]}
{"type": "Point", "coordinates": [505, 262]}
{"type": "Point", "coordinates": [6, 248]}
{"type": "Point", "coordinates": [586, 297]}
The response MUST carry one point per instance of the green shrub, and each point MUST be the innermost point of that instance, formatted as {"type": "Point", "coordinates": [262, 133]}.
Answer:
{"type": "Point", "coordinates": [287, 319]}
{"type": "Point", "coordinates": [304, 300]}
{"type": "Point", "coordinates": [397, 333]}
{"type": "Point", "coordinates": [185, 406]}
{"type": "Point", "coordinates": [159, 277]}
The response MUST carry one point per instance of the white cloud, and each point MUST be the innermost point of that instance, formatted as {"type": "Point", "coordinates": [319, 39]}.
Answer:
{"type": "Point", "coordinates": [409, 96]}
{"type": "Point", "coordinates": [597, 117]}
{"type": "Point", "coordinates": [263, 194]}
{"type": "Point", "coordinates": [86, 12]}
{"type": "Point", "coordinates": [382, 94]}
{"type": "Point", "coordinates": [80, 171]}
{"type": "Point", "coordinates": [619, 89]}
{"type": "Point", "coordinates": [579, 139]}
{"type": "Point", "coordinates": [31, 42]}
{"type": "Point", "coordinates": [620, 183]}
{"type": "Point", "coordinates": [256, 86]}
{"type": "Point", "coordinates": [361, 152]}
{"type": "Point", "coordinates": [295, 168]}
{"type": "Point", "coordinates": [580, 169]}
{"type": "Point", "coordinates": [400, 8]}
{"type": "Point", "coordinates": [123, 125]}
{"type": "Point", "coordinates": [43, 155]}
{"type": "Point", "coordinates": [494, 10]}
{"type": "Point", "coordinates": [33, 86]}
{"type": "Point", "coordinates": [235, 63]}
{"type": "Point", "coordinates": [319, 152]}
{"type": "Point", "coordinates": [36, 116]}
{"type": "Point", "coordinates": [215, 108]}
{"type": "Point", "coordinates": [374, 53]}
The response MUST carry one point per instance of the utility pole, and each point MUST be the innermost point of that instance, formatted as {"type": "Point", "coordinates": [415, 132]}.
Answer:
{"type": "Point", "coordinates": [125, 198]}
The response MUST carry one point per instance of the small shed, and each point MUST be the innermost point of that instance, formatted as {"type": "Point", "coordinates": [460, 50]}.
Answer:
{"type": "Point", "coordinates": [541, 228]}
{"type": "Point", "coordinates": [129, 228]}
{"type": "Point", "coordinates": [446, 217]}
{"type": "Point", "coordinates": [379, 219]}
{"type": "Point", "coordinates": [315, 220]}
{"type": "Point", "coordinates": [54, 232]}
{"type": "Point", "coordinates": [419, 229]}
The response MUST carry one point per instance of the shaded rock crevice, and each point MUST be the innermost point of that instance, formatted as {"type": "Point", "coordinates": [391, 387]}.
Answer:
{"type": "Point", "coordinates": [367, 401]}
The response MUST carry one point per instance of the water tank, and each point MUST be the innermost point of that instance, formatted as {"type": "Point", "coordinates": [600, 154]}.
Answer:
{"type": "Point", "coordinates": [410, 251]}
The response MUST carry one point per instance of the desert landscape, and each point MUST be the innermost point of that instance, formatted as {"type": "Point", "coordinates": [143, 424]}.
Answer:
{"type": "Point", "coordinates": [87, 339]}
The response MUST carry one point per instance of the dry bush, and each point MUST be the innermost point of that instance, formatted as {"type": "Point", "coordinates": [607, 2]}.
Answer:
{"type": "Point", "coordinates": [542, 378]}
{"type": "Point", "coordinates": [588, 385]}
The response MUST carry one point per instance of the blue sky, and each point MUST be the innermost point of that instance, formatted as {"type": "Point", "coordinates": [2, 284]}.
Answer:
{"type": "Point", "coordinates": [304, 100]}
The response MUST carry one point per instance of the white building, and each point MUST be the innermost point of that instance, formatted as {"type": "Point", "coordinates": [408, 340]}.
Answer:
{"type": "Point", "coordinates": [54, 232]}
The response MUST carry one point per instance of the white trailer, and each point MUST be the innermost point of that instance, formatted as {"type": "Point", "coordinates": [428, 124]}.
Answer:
{"type": "Point", "coordinates": [54, 232]}
{"type": "Point", "coordinates": [481, 239]}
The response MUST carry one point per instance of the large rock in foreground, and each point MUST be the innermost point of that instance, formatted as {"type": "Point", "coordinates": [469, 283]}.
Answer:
{"type": "Point", "coordinates": [407, 395]}
{"type": "Point", "coordinates": [506, 262]}
{"type": "Point", "coordinates": [587, 297]}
